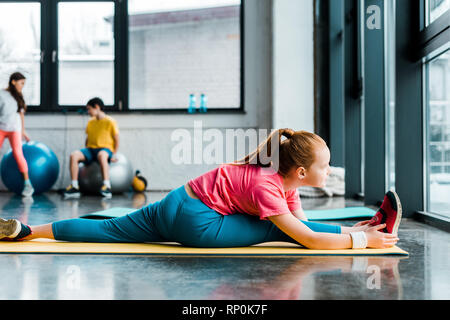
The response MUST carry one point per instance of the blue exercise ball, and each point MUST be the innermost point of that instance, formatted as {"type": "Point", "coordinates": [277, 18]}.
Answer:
{"type": "Point", "coordinates": [43, 168]}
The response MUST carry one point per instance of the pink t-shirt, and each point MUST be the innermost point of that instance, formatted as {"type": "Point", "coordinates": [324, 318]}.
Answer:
{"type": "Point", "coordinates": [248, 189]}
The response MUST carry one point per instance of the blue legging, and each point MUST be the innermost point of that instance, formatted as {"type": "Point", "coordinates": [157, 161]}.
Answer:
{"type": "Point", "coordinates": [179, 218]}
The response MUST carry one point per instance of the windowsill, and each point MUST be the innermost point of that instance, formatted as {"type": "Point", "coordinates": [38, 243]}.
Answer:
{"type": "Point", "coordinates": [144, 119]}
{"type": "Point", "coordinates": [73, 111]}
{"type": "Point", "coordinates": [182, 112]}
{"type": "Point", "coordinates": [436, 220]}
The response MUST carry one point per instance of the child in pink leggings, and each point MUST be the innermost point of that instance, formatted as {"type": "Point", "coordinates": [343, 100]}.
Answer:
{"type": "Point", "coordinates": [12, 110]}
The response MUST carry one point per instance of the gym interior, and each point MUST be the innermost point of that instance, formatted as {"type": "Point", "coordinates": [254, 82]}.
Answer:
{"type": "Point", "coordinates": [186, 82]}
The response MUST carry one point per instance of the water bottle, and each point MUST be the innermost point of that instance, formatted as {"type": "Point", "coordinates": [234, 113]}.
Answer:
{"type": "Point", "coordinates": [191, 108]}
{"type": "Point", "coordinates": [203, 102]}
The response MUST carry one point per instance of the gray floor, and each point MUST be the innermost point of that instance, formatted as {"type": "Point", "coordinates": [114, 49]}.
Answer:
{"type": "Point", "coordinates": [424, 274]}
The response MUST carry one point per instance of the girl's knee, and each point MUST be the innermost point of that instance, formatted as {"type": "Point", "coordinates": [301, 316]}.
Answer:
{"type": "Point", "coordinates": [18, 154]}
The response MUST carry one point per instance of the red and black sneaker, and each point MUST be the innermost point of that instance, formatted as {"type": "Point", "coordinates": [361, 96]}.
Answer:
{"type": "Point", "coordinates": [390, 213]}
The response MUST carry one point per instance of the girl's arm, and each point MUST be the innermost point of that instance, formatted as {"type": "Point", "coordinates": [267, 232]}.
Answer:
{"type": "Point", "coordinates": [320, 240]}
{"type": "Point", "coordinates": [308, 238]}
{"type": "Point", "coordinates": [22, 120]}
{"type": "Point", "coordinates": [300, 214]}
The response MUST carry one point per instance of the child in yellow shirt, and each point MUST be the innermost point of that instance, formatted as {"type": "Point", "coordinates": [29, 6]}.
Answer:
{"type": "Point", "coordinates": [102, 142]}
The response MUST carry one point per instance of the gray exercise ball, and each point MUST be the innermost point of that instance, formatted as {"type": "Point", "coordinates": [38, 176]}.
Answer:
{"type": "Point", "coordinates": [120, 174]}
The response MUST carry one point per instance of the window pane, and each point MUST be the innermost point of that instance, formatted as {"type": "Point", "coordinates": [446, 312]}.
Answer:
{"type": "Point", "coordinates": [438, 134]}
{"type": "Point", "coordinates": [436, 8]}
{"type": "Point", "coordinates": [183, 47]}
{"type": "Point", "coordinates": [85, 52]}
{"type": "Point", "coordinates": [20, 46]}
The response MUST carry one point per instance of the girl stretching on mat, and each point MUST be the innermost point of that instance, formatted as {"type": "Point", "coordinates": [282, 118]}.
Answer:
{"type": "Point", "coordinates": [238, 204]}
{"type": "Point", "coordinates": [12, 113]}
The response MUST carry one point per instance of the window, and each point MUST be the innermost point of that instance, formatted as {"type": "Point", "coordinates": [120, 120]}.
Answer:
{"type": "Point", "coordinates": [137, 55]}
{"type": "Point", "coordinates": [438, 134]}
{"type": "Point", "coordinates": [436, 8]}
{"type": "Point", "coordinates": [85, 52]}
{"type": "Point", "coordinates": [20, 46]}
{"type": "Point", "coordinates": [178, 48]}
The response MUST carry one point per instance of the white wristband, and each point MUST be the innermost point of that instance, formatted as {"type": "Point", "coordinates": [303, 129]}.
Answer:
{"type": "Point", "coordinates": [359, 240]}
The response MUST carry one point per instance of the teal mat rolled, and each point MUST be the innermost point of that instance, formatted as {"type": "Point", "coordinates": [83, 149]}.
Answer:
{"type": "Point", "coordinates": [312, 215]}
{"type": "Point", "coordinates": [340, 213]}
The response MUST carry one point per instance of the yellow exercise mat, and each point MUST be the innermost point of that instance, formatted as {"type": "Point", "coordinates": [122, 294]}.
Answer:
{"type": "Point", "coordinates": [172, 248]}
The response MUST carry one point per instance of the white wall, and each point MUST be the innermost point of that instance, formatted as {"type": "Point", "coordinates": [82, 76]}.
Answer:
{"type": "Point", "coordinates": [293, 64]}
{"type": "Point", "coordinates": [146, 138]}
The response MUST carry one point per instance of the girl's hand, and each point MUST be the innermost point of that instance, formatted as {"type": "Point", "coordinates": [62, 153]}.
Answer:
{"type": "Point", "coordinates": [362, 223]}
{"type": "Point", "coordinates": [25, 136]}
{"type": "Point", "coordinates": [380, 240]}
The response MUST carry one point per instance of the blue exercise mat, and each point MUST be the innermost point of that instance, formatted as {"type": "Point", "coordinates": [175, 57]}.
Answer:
{"type": "Point", "coordinates": [312, 215]}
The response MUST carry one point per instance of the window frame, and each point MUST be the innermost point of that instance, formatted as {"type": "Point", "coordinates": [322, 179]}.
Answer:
{"type": "Point", "coordinates": [49, 68]}
{"type": "Point", "coordinates": [434, 40]}
{"type": "Point", "coordinates": [414, 51]}
{"type": "Point", "coordinates": [375, 109]}
{"type": "Point", "coordinates": [434, 216]}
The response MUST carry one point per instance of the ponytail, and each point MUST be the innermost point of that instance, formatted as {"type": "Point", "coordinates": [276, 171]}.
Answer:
{"type": "Point", "coordinates": [18, 96]}
{"type": "Point", "coordinates": [297, 150]}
